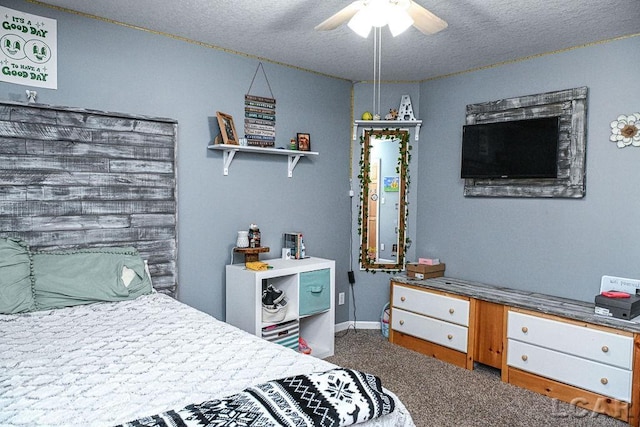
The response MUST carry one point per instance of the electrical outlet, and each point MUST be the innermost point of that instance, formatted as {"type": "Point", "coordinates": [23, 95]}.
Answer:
{"type": "Point", "coordinates": [341, 298]}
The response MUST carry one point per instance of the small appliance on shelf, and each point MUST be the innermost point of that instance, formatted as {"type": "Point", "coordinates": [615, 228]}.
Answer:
{"type": "Point", "coordinates": [619, 298]}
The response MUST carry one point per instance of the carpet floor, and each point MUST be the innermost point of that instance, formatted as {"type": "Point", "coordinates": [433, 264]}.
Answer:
{"type": "Point", "coordinates": [440, 394]}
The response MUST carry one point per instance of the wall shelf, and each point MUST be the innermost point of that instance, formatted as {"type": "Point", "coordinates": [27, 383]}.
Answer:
{"type": "Point", "coordinates": [384, 124]}
{"type": "Point", "coordinates": [229, 151]}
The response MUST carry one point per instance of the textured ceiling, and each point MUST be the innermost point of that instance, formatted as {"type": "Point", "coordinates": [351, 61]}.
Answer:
{"type": "Point", "coordinates": [480, 33]}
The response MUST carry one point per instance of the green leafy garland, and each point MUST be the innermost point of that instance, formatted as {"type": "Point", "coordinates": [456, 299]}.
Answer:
{"type": "Point", "coordinates": [402, 168]}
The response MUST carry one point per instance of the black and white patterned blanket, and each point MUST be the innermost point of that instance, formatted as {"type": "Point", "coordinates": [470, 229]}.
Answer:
{"type": "Point", "coordinates": [339, 397]}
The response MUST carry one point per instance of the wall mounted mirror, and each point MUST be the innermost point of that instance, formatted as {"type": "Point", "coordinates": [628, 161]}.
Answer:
{"type": "Point", "coordinates": [383, 186]}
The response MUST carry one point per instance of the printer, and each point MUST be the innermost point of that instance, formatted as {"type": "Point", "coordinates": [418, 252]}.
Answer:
{"type": "Point", "coordinates": [620, 308]}
{"type": "Point", "coordinates": [612, 301]}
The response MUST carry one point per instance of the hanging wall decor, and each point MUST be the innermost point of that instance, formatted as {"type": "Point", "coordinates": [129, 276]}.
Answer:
{"type": "Point", "coordinates": [625, 130]}
{"type": "Point", "coordinates": [28, 49]}
{"type": "Point", "coordinates": [260, 116]}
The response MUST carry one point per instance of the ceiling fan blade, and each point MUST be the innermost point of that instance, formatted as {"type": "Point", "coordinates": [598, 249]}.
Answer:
{"type": "Point", "coordinates": [425, 21]}
{"type": "Point", "coordinates": [341, 17]}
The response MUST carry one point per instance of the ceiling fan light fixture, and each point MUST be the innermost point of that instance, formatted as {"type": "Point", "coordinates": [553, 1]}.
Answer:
{"type": "Point", "coordinates": [360, 24]}
{"type": "Point", "coordinates": [378, 12]}
{"type": "Point", "coordinates": [399, 21]}
{"type": "Point", "coordinates": [361, 15]}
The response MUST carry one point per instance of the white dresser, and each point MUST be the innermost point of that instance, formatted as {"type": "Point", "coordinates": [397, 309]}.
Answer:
{"type": "Point", "coordinates": [431, 322]}
{"type": "Point", "coordinates": [553, 346]}
{"type": "Point", "coordinates": [594, 358]}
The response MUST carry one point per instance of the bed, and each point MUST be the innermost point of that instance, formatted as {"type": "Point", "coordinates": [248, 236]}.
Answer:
{"type": "Point", "coordinates": [78, 187]}
{"type": "Point", "coordinates": [108, 363]}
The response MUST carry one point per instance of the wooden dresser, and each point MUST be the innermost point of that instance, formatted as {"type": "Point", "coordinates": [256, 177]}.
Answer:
{"type": "Point", "coordinates": [432, 322]}
{"type": "Point", "coordinates": [554, 346]}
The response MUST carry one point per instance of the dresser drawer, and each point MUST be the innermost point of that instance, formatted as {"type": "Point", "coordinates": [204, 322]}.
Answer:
{"type": "Point", "coordinates": [580, 341]}
{"type": "Point", "coordinates": [434, 305]}
{"type": "Point", "coordinates": [427, 328]}
{"type": "Point", "coordinates": [587, 374]}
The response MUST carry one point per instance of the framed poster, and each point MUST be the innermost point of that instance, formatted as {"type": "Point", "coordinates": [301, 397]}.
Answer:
{"type": "Point", "coordinates": [28, 49]}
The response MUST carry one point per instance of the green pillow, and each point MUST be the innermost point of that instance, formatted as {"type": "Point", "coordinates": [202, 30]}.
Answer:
{"type": "Point", "coordinates": [74, 277]}
{"type": "Point", "coordinates": [16, 293]}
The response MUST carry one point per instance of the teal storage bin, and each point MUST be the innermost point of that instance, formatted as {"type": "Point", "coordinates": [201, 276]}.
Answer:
{"type": "Point", "coordinates": [315, 291]}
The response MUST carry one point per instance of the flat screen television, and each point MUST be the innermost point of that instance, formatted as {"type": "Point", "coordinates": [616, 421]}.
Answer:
{"type": "Point", "coordinates": [513, 149]}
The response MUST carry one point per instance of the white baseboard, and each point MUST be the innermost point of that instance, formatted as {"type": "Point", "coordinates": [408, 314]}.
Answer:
{"type": "Point", "coordinates": [358, 325]}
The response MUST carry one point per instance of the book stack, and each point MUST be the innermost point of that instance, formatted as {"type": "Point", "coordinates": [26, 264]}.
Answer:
{"type": "Point", "coordinates": [260, 121]}
{"type": "Point", "coordinates": [293, 241]}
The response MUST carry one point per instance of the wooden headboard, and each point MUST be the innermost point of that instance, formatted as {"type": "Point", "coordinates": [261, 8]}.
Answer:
{"type": "Point", "coordinates": [75, 178]}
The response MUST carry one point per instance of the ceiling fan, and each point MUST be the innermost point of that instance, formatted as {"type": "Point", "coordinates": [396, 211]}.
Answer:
{"type": "Point", "coordinates": [362, 15]}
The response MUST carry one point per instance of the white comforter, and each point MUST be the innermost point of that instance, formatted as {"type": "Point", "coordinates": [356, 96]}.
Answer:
{"type": "Point", "coordinates": [108, 363]}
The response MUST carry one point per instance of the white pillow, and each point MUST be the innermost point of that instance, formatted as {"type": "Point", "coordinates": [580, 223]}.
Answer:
{"type": "Point", "coordinates": [146, 268]}
{"type": "Point", "coordinates": [127, 275]}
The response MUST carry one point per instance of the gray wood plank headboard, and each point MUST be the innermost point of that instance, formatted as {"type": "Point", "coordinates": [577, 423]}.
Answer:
{"type": "Point", "coordinates": [75, 178]}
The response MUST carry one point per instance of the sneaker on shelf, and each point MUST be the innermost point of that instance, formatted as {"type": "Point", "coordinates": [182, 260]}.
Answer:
{"type": "Point", "coordinates": [282, 303]}
{"type": "Point", "coordinates": [303, 347]}
{"type": "Point", "coordinates": [276, 294]}
{"type": "Point", "coordinates": [267, 299]}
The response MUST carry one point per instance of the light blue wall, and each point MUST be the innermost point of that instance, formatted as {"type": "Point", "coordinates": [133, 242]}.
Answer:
{"type": "Point", "coordinates": [113, 68]}
{"type": "Point", "coordinates": [560, 247]}
{"type": "Point", "coordinates": [553, 246]}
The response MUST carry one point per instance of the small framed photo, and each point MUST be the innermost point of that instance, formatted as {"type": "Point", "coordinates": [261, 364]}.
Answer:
{"type": "Point", "coordinates": [304, 141]}
{"type": "Point", "coordinates": [227, 129]}
{"type": "Point", "coordinates": [391, 184]}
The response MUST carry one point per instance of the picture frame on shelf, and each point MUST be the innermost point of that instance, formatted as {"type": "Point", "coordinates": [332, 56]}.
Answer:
{"type": "Point", "coordinates": [303, 141]}
{"type": "Point", "coordinates": [227, 129]}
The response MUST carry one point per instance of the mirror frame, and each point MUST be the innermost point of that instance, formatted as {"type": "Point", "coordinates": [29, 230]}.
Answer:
{"type": "Point", "coordinates": [402, 168]}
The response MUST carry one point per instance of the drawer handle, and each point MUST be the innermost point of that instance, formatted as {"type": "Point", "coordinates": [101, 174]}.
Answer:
{"type": "Point", "coordinates": [451, 311]}
{"type": "Point", "coordinates": [403, 299]}
{"type": "Point", "coordinates": [525, 357]}
{"type": "Point", "coordinates": [605, 349]}
{"type": "Point", "coordinates": [450, 337]}
{"type": "Point", "coordinates": [604, 381]}
{"type": "Point", "coordinates": [402, 322]}
{"type": "Point", "coordinates": [316, 289]}
{"type": "Point", "coordinates": [525, 329]}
